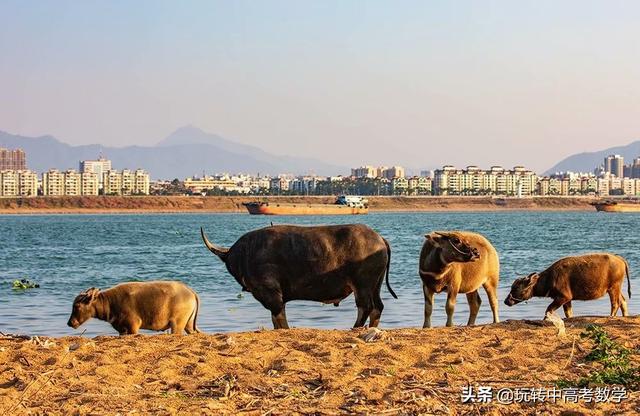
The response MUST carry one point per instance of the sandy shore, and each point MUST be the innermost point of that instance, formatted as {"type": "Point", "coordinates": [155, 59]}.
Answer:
{"type": "Point", "coordinates": [303, 371]}
{"type": "Point", "coordinates": [227, 204]}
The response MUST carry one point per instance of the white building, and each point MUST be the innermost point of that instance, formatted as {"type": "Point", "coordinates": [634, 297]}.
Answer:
{"type": "Point", "coordinates": [475, 181]}
{"type": "Point", "coordinates": [99, 167]}
{"type": "Point", "coordinates": [9, 183]}
{"type": "Point", "coordinates": [125, 182]}
{"type": "Point", "coordinates": [27, 183]}
{"type": "Point", "coordinates": [18, 183]}
{"type": "Point", "coordinates": [304, 185]}
{"type": "Point", "coordinates": [53, 183]}
{"type": "Point", "coordinates": [69, 183]}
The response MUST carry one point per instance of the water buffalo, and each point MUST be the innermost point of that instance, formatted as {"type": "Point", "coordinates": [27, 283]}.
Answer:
{"type": "Point", "coordinates": [458, 262]}
{"type": "Point", "coordinates": [584, 277]}
{"type": "Point", "coordinates": [323, 263]}
{"type": "Point", "coordinates": [128, 307]}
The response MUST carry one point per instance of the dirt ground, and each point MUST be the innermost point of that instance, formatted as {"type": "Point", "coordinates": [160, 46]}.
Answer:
{"type": "Point", "coordinates": [170, 204]}
{"type": "Point", "coordinates": [303, 371]}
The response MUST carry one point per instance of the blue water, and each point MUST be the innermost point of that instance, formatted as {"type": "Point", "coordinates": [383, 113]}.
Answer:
{"type": "Point", "coordinates": [69, 253]}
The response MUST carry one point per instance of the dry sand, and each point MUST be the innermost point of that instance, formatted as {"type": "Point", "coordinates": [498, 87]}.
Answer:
{"type": "Point", "coordinates": [195, 204]}
{"type": "Point", "coordinates": [302, 371]}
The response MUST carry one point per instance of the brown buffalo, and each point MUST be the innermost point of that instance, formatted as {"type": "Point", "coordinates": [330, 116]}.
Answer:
{"type": "Point", "coordinates": [324, 263]}
{"type": "Point", "coordinates": [584, 277]}
{"type": "Point", "coordinates": [458, 262]}
{"type": "Point", "coordinates": [128, 307]}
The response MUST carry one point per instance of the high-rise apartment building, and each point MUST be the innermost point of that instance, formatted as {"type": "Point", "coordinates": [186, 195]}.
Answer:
{"type": "Point", "coordinates": [614, 164]}
{"type": "Point", "coordinates": [364, 172]}
{"type": "Point", "coordinates": [393, 172]}
{"type": "Point", "coordinates": [12, 159]}
{"type": "Point", "coordinates": [379, 172]}
{"type": "Point", "coordinates": [634, 169]}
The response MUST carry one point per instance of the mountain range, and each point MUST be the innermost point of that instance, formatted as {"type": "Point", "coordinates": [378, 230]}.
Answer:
{"type": "Point", "coordinates": [186, 152]}
{"type": "Point", "coordinates": [190, 151]}
{"type": "Point", "coordinates": [588, 161]}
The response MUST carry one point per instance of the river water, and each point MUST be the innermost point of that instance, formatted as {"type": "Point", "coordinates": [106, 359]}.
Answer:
{"type": "Point", "coordinates": [69, 253]}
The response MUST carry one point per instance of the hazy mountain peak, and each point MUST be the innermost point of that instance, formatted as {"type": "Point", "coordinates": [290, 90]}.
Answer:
{"type": "Point", "coordinates": [185, 152]}
{"type": "Point", "coordinates": [588, 161]}
{"type": "Point", "coordinates": [190, 134]}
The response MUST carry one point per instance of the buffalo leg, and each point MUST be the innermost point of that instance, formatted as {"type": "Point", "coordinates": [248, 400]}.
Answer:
{"type": "Point", "coordinates": [190, 328]}
{"type": "Point", "coordinates": [270, 296]}
{"type": "Point", "coordinates": [376, 302]}
{"type": "Point", "coordinates": [378, 306]}
{"type": "Point", "coordinates": [492, 294]}
{"type": "Point", "coordinates": [178, 326]}
{"type": "Point", "coordinates": [623, 305]}
{"type": "Point", "coordinates": [122, 329]}
{"type": "Point", "coordinates": [614, 296]}
{"type": "Point", "coordinates": [428, 305]}
{"type": "Point", "coordinates": [556, 304]}
{"type": "Point", "coordinates": [364, 304]}
{"type": "Point", "coordinates": [130, 328]}
{"type": "Point", "coordinates": [568, 311]}
{"type": "Point", "coordinates": [279, 319]}
{"type": "Point", "coordinates": [473, 298]}
{"type": "Point", "coordinates": [451, 305]}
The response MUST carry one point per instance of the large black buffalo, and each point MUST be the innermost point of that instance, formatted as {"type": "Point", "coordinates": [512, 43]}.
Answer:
{"type": "Point", "coordinates": [324, 263]}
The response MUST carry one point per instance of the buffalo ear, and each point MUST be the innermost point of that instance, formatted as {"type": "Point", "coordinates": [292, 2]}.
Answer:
{"type": "Point", "coordinates": [88, 295]}
{"type": "Point", "coordinates": [533, 278]}
{"type": "Point", "coordinates": [93, 293]}
{"type": "Point", "coordinates": [433, 239]}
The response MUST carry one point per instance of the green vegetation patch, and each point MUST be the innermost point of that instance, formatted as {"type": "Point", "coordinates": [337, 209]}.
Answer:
{"type": "Point", "coordinates": [24, 284]}
{"type": "Point", "coordinates": [613, 363]}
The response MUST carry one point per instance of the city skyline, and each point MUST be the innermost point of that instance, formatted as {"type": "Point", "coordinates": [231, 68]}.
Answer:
{"type": "Point", "coordinates": [613, 164]}
{"type": "Point", "coordinates": [97, 177]}
{"type": "Point", "coordinates": [191, 139]}
{"type": "Point", "coordinates": [494, 83]}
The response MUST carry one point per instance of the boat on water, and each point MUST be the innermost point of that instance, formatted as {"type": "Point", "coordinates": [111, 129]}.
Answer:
{"type": "Point", "coordinates": [344, 205]}
{"type": "Point", "coordinates": [626, 205]}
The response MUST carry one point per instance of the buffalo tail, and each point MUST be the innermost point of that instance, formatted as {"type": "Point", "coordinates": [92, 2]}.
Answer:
{"type": "Point", "coordinates": [388, 267]}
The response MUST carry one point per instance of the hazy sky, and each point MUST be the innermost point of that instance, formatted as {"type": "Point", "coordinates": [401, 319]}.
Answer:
{"type": "Point", "coordinates": [418, 83]}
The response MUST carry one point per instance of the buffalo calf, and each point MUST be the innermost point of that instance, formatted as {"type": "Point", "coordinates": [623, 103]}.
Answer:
{"type": "Point", "coordinates": [458, 262]}
{"type": "Point", "coordinates": [584, 277]}
{"type": "Point", "coordinates": [128, 307]}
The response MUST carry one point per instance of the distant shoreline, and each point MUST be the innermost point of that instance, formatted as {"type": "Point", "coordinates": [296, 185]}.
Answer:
{"type": "Point", "coordinates": [233, 204]}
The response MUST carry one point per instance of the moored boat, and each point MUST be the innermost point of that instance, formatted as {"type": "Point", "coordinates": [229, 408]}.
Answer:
{"type": "Point", "coordinates": [617, 206]}
{"type": "Point", "coordinates": [345, 205]}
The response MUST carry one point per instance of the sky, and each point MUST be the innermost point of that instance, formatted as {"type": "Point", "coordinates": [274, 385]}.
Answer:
{"type": "Point", "coordinates": [415, 83]}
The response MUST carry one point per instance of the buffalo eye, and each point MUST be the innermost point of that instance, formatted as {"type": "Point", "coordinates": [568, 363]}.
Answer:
{"type": "Point", "coordinates": [455, 240]}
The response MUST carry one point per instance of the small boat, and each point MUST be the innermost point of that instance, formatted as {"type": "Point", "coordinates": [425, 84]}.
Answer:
{"type": "Point", "coordinates": [624, 205]}
{"type": "Point", "coordinates": [344, 205]}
